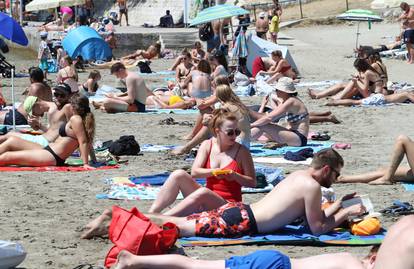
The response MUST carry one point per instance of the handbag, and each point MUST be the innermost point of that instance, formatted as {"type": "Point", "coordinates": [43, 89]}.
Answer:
{"type": "Point", "coordinates": [134, 232]}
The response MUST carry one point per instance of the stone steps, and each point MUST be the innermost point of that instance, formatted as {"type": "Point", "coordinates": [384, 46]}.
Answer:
{"type": "Point", "coordinates": [175, 41]}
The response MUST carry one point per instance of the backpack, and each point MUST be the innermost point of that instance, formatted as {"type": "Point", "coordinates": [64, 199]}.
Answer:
{"type": "Point", "coordinates": [206, 33]}
{"type": "Point", "coordinates": [144, 67]}
{"type": "Point", "coordinates": [134, 232]}
{"type": "Point", "coordinates": [125, 145]}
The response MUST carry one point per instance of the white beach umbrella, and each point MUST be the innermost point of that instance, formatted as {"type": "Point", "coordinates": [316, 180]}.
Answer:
{"type": "Point", "coordinates": [46, 4]}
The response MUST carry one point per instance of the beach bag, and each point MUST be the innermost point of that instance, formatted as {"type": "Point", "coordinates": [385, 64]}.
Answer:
{"type": "Point", "coordinates": [134, 232]}
{"type": "Point", "coordinates": [144, 67]}
{"type": "Point", "coordinates": [125, 145]}
{"type": "Point", "coordinates": [369, 226]}
{"type": "Point", "coordinates": [205, 33]}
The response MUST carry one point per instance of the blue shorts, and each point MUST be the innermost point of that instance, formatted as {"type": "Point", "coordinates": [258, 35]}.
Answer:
{"type": "Point", "coordinates": [38, 139]}
{"type": "Point", "coordinates": [213, 43]}
{"type": "Point", "coordinates": [44, 65]}
{"type": "Point", "coordinates": [261, 259]}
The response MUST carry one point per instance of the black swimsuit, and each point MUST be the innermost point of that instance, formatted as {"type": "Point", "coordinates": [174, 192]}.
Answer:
{"type": "Point", "coordinates": [62, 133]}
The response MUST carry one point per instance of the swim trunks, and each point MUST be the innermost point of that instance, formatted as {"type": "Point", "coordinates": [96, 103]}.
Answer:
{"type": "Point", "coordinates": [257, 66]}
{"type": "Point", "coordinates": [20, 119]}
{"type": "Point", "coordinates": [376, 99]}
{"type": "Point", "coordinates": [261, 259]}
{"type": "Point", "coordinates": [213, 43]}
{"type": "Point", "coordinates": [44, 65]}
{"type": "Point", "coordinates": [409, 36]}
{"type": "Point", "coordinates": [229, 220]}
{"type": "Point", "coordinates": [136, 107]}
{"type": "Point", "coordinates": [38, 139]}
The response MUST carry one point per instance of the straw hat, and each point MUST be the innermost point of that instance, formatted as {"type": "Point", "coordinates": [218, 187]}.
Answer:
{"type": "Point", "coordinates": [286, 85]}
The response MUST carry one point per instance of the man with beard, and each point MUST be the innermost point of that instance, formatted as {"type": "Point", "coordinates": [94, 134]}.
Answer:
{"type": "Point", "coordinates": [297, 196]}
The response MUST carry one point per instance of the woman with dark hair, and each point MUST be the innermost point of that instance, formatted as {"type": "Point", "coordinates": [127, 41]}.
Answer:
{"type": "Point", "coordinates": [184, 68]}
{"type": "Point", "coordinates": [78, 132]}
{"type": "Point", "coordinates": [297, 117]}
{"type": "Point", "coordinates": [218, 63]}
{"type": "Point", "coordinates": [198, 81]}
{"type": "Point", "coordinates": [281, 68]}
{"type": "Point", "coordinates": [363, 83]}
{"type": "Point", "coordinates": [68, 74]}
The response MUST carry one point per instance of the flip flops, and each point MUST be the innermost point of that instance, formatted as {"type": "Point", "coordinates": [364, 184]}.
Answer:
{"type": "Point", "coordinates": [320, 137]}
{"type": "Point", "coordinates": [398, 209]}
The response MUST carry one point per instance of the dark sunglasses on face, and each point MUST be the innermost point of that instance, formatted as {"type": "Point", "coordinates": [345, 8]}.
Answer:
{"type": "Point", "coordinates": [232, 132]}
{"type": "Point", "coordinates": [336, 171]}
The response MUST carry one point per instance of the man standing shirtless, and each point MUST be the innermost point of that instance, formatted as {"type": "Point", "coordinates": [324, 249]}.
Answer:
{"type": "Point", "coordinates": [297, 196]}
{"type": "Point", "coordinates": [123, 10]}
{"type": "Point", "coordinates": [135, 98]}
{"type": "Point", "coordinates": [407, 19]}
{"type": "Point", "coordinates": [262, 26]}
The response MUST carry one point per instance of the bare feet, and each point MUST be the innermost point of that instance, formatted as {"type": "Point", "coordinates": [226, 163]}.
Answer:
{"type": "Point", "coordinates": [381, 181]}
{"type": "Point", "coordinates": [312, 94]}
{"type": "Point", "coordinates": [334, 119]}
{"type": "Point", "coordinates": [98, 226]}
{"type": "Point", "coordinates": [125, 260]}
{"type": "Point", "coordinates": [180, 151]}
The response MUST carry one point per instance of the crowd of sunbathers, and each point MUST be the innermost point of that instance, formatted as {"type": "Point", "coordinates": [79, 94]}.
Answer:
{"type": "Point", "coordinates": [224, 129]}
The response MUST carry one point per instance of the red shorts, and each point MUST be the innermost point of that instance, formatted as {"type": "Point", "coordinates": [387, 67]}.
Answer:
{"type": "Point", "coordinates": [257, 66]}
{"type": "Point", "coordinates": [229, 220]}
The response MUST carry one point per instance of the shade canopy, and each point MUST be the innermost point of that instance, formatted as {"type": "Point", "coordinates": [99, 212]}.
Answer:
{"type": "Point", "coordinates": [46, 4]}
{"type": "Point", "coordinates": [10, 29]}
{"type": "Point", "coordinates": [359, 15]}
{"type": "Point", "coordinates": [218, 12]}
{"type": "Point", "coordinates": [86, 42]}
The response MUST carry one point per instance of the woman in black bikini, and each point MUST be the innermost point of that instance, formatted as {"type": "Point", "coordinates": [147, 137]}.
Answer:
{"type": "Point", "coordinates": [91, 85]}
{"type": "Point", "coordinates": [68, 74]}
{"type": "Point", "coordinates": [297, 117]}
{"type": "Point", "coordinates": [184, 68]}
{"type": "Point", "coordinates": [78, 132]}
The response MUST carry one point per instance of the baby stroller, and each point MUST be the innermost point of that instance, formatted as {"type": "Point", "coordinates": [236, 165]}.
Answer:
{"type": "Point", "coordinates": [5, 67]}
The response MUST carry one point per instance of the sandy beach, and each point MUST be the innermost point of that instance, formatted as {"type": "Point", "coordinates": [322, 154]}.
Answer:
{"type": "Point", "coordinates": [46, 211]}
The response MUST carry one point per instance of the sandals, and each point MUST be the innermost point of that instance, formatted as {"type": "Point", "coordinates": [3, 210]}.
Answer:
{"type": "Point", "coordinates": [398, 209]}
{"type": "Point", "coordinates": [320, 137]}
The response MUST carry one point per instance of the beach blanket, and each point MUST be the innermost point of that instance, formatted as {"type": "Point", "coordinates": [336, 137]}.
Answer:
{"type": "Point", "coordinates": [280, 160]}
{"type": "Point", "coordinates": [100, 93]}
{"type": "Point", "coordinates": [408, 186]}
{"type": "Point", "coordinates": [72, 165]}
{"type": "Point", "coordinates": [257, 149]}
{"type": "Point", "coordinates": [289, 235]}
{"type": "Point", "coordinates": [169, 111]}
{"type": "Point", "coordinates": [158, 73]}
{"type": "Point", "coordinates": [318, 85]}
{"type": "Point", "coordinates": [156, 148]}
{"type": "Point", "coordinates": [148, 187]}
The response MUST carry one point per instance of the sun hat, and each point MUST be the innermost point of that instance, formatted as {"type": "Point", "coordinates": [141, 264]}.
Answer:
{"type": "Point", "coordinates": [262, 15]}
{"type": "Point", "coordinates": [29, 103]}
{"type": "Point", "coordinates": [286, 85]}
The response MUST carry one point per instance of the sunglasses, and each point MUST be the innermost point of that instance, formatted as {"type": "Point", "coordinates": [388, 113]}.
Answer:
{"type": "Point", "coordinates": [232, 132]}
{"type": "Point", "coordinates": [59, 95]}
{"type": "Point", "coordinates": [336, 171]}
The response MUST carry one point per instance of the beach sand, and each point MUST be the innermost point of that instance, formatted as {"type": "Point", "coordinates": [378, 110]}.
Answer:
{"type": "Point", "coordinates": [46, 211]}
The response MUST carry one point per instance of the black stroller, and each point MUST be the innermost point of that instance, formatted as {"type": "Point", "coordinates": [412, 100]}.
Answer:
{"type": "Point", "coordinates": [5, 67]}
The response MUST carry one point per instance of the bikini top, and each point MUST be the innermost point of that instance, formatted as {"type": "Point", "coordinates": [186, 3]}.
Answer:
{"type": "Point", "coordinates": [68, 77]}
{"type": "Point", "coordinates": [62, 131]}
{"type": "Point", "coordinates": [229, 190]}
{"type": "Point", "coordinates": [295, 118]}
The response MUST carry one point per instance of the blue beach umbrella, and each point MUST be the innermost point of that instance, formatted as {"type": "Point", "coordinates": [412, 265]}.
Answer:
{"type": "Point", "coordinates": [11, 30]}
{"type": "Point", "coordinates": [240, 46]}
{"type": "Point", "coordinates": [218, 12]}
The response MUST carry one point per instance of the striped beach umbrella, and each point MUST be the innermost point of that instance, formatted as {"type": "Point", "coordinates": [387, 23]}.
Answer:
{"type": "Point", "coordinates": [359, 15]}
{"type": "Point", "coordinates": [218, 12]}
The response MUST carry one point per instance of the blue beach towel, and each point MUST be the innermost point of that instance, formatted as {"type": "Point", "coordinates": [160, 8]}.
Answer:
{"type": "Point", "coordinates": [408, 186]}
{"type": "Point", "coordinates": [257, 150]}
{"type": "Point", "coordinates": [289, 235]}
{"type": "Point", "coordinates": [158, 73]}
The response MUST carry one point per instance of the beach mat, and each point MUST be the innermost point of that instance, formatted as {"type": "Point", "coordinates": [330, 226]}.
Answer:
{"type": "Point", "coordinates": [148, 187]}
{"type": "Point", "coordinates": [280, 160]}
{"type": "Point", "coordinates": [408, 186]}
{"type": "Point", "coordinates": [289, 235]}
{"type": "Point", "coordinates": [158, 73]}
{"type": "Point", "coordinates": [169, 111]}
{"type": "Point", "coordinates": [72, 165]}
{"type": "Point", "coordinates": [257, 149]}
{"type": "Point", "coordinates": [156, 148]}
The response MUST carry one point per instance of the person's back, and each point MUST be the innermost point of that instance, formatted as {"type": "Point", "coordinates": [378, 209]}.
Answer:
{"type": "Point", "coordinates": [262, 24]}
{"type": "Point", "coordinates": [41, 90]}
{"type": "Point", "coordinates": [136, 86]}
{"type": "Point", "coordinates": [201, 87]}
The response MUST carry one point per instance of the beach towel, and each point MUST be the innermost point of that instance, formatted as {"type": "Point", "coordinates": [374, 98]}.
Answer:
{"type": "Point", "coordinates": [158, 73]}
{"type": "Point", "coordinates": [289, 235]}
{"type": "Point", "coordinates": [317, 85]}
{"type": "Point", "coordinates": [257, 149]}
{"type": "Point", "coordinates": [148, 187]}
{"type": "Point", "coordinates": [72, 165]}
{"type": "Point", "coordinates": [170, 111]}
{"type": "Point", "coordinates": [408, 186]}
{"type": "Point", "coordinates": [280, 160]}
{"type": "Point", "coordinates": [156, 148]}
{"type": "Point", "coordinates": [100, 93]}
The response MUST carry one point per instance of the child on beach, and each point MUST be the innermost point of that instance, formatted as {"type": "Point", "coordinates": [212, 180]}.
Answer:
{"type": "Point", "coordinates": [274, 24]}
{"type": "Point", "coordinates": [43, 53]}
